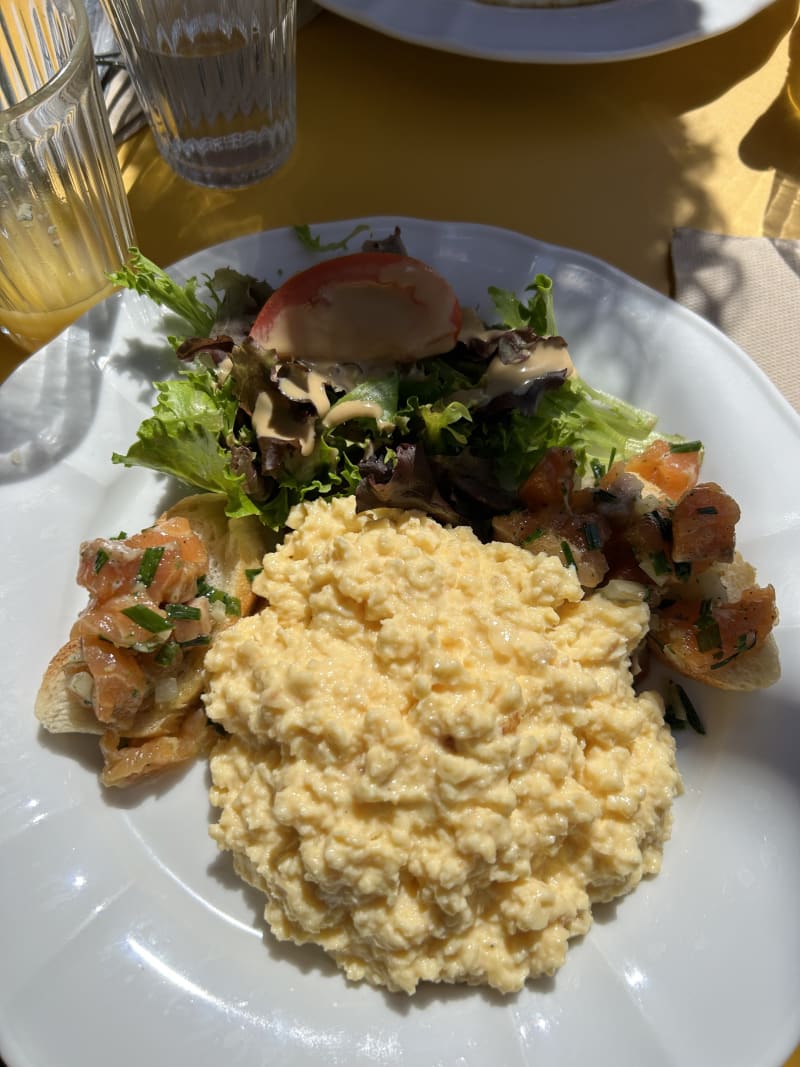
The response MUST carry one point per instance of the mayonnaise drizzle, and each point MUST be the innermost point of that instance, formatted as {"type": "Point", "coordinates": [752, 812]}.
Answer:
{"type": "Point", "coordinates": [271, 420]}
{"type": "Point", "coordinates": [546, 355]}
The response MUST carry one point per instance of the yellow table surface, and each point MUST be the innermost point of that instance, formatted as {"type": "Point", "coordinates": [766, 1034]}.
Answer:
{"type": "Point", "coordinates": [606, 158]}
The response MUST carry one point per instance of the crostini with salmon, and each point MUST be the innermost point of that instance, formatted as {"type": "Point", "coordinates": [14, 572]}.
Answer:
{"type": "Point", "coordinates": [132, 670]}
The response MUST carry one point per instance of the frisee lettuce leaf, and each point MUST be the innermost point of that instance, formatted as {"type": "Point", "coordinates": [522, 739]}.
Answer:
{"type": "Point", "coordinates": [446, 426]}
{"type": "Point", "coordinates": [538, 312]}
{"type": "Point", "coordinates": [479, 453]}
{"type": "Point", "coordinates": [234, 299]}
{"type": "Point", "coordinates": [592, 423]}
{"type": "Point", "coordinates": [183, 438]}
{"type": "Point", "coordinates": [314, 243]}
{"type": "Point", "coordinates": [147, 278]}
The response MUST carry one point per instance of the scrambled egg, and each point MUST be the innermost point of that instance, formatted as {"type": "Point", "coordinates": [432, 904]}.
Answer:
{"type": "Point", "coordinates": [437, 762]}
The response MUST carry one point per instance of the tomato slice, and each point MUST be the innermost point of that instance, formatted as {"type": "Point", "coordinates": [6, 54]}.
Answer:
{"type": "Point", "coordinates": [365, 307]}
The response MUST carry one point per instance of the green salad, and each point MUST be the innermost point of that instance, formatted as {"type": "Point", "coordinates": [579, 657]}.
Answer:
{"type": "Point", "coordinates": [427, 434]}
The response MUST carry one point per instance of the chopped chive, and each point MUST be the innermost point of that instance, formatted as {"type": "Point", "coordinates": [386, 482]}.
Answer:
{"type": "Point", "coordinates": [664, 524]}
{"type": "Point", "coordinates": [611, 457]}
{"type": "Point", "coordinates": [660, 563]}
{"type": "Point", "coordinates": [597, 469]}
{"type": "Point", "coordinates": [534, 536]}
{"type": "Point", "coordinates": [686, 446]}
{"type": "Point", "coordinates": [167, 653]}
{"type": "Point", "coordinates": [592, 534]}
{"type": "Point", "coordinates": [679, 709]}
{"type": "Point", "coordinates": [708, 637]}
{"type": "Point", "coordinates": [182, 611]}
{"type": "Point", "coordinates": [692, 717]}
{"type": "Point", "coordinates": [723, 662]}
{"type": "Point", "coordinates": [674, 712]}
{"type": "Point", "coordinates": [100, 560]}
{"type": "Point", "coordinates": [149, 565]}
{"type": "Point", "coordinates": [153, 645]}
{"type": "Point", "coordinates": [195, 642]}
{"type": "Point", "coordinates": [707, 629]}
{"type": "Point", "coordinates": [253, 572]}
{"type": "Point", "coordinates": [744, 642]}
{"type": "Point", "coordinates": [147, 618]}
{"type": "Point", "coordinates": [568, 556]}
{"type": "Point", "coordinates": [232, 604]}
{"type": "Point", "coordinates": [672, 720]}
{"type": "Point", "coordinates": [710, 510]}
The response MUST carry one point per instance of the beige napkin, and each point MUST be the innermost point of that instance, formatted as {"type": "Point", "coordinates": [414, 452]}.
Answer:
{"type": "Point", "coordinates": [749, 287]}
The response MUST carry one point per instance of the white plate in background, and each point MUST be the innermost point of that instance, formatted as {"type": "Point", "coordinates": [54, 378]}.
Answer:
{"type": "Point", "coordinates": [590, 33]}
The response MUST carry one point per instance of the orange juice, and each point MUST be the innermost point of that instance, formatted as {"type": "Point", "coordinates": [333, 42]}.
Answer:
{"type": "Point", "coordinates": [64, 216]}
{"type": "Point", "coordinates": [53, 269]}
{"type": "Point", "coordinates": [32, 329]}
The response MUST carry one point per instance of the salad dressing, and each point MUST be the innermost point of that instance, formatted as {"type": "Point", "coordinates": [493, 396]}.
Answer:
{"type": "Point", "coordinates": [421, 402]}
{"type": "Point", "coordinates": [546, 355]}
{"type": "Point", "coordinates": [304, 386]}
{"type": "Point", "coordinates": [346, 410]}
{"type": "Point", "coordinates": [271, 420]}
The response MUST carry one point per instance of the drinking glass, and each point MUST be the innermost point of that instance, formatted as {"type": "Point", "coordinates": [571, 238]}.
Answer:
{"type": "Point", "coordinates": [64, 218]}
{"type": "Point", "coordinates": [216, 81]}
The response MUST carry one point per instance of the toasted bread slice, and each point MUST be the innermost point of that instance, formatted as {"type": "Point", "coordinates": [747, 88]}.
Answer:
{"type": "Point", "coordinates": [234, 546]}
{"type": "Point", "coordinates": [63, 703]}
{"type": "Point", "coordinates": [757, 668]}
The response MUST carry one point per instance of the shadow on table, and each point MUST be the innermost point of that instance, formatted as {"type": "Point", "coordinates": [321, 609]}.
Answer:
{"type": "Point", "coordinates": [590, 156]}
{"type": "Point", "coordinates": [773, 143]}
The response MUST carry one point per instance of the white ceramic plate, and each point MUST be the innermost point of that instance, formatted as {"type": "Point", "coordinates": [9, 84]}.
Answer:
{"type": "Point", "coordinates": [612, 29]}
{"type": "Point", "coordinates": [126, 939]}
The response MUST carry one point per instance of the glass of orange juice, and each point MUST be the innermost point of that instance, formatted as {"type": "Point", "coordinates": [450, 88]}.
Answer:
{"type": "Point", "coordinates": [64, 217]}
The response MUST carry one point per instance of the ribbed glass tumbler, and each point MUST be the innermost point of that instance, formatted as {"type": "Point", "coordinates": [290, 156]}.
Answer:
{"type": "Point", "coordinates": [64, 218]}
{"type": "Point", "coordinates": [216, 81]}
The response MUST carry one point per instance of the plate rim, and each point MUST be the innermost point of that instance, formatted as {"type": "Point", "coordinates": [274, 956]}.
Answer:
{"type": "Point", "coordinates": [595, 263]}
{"type": "Point", "coordinates": [387, 17]}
